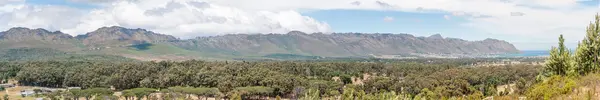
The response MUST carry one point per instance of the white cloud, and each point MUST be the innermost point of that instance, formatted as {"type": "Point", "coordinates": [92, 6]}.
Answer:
{"type": "Point", "coordinates": [10, 5]}
{"type": "Point", "coordinates": [539, 19]}
{"type": "Point", "coordinates": [182, 18]}
{"type": "Point", "coordinates": [388, 19]}
{"type": "Point", "coordinates": [94, 1]}
{"type": "Point", "coordinates": [186, 18]}
{"type": "Point", "coordinates": [49, 17]}
{"type": "Point", "coordinates": [357, 3]}
{"type": "Point", "coordinates": [517, 14]}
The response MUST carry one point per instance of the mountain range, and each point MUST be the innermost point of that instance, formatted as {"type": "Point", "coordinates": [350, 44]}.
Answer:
{"type": "Point", "coordinates": [142, 44]}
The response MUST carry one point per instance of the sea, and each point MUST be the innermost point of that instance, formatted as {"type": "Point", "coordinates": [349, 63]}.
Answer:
{"type": "Point", "coordinates": [528, 53]}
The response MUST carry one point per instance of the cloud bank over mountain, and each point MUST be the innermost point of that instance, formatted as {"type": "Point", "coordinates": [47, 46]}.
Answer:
{"type": "Point", "coordinates": [539, 19]}
{"type": "Point", "coordinates": [182, 18]}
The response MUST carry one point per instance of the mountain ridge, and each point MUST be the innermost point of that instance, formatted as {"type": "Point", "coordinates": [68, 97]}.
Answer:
{"type": "Point", "coordinates": [116, 40]}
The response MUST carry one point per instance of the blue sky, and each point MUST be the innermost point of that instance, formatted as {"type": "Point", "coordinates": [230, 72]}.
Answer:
{"type": "Point", "coordinates": [62, 3]}
{"type": "Point", "coordinates": [529, 24]}
{"type": "Point", "coordinates": [372, 21]}
{"type": "Point", "coordinates": [418, 24]}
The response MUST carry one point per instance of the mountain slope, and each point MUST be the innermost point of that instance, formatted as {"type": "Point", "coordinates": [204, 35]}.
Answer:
{"type": "Point", "coordinates": [38, 38]}
{"type": "Point", "coordinates": [140, 43]}
{"type": "Point", "coordinates": [344, 44]}
{"type": "Point", "coordinates": [115, 36]}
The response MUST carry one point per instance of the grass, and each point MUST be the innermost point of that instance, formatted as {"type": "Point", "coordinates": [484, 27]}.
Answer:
{"type": "Point", "coordinates": [46, 54]}
{"type": "Point", "coordinates": [150, 52]}
{"type": "Point", "coordinates": [67, 45]}
{"type": "Point", "coordinates": [290, 56]}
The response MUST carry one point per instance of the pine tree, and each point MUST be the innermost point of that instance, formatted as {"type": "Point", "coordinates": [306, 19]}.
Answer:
{"type": "Point", "coordinates": [587, 52]}
{"type": "Point", "coordinates": [559, 61]}
{"type": "Point", "coordinates": [583, 58]}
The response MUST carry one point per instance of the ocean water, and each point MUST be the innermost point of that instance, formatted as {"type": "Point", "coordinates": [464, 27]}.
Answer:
{"type": "Point", "coordinates": [528, 53]}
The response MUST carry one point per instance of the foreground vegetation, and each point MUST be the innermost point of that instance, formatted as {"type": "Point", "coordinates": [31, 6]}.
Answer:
{"type": "Point", "coordinates": [272, 79]}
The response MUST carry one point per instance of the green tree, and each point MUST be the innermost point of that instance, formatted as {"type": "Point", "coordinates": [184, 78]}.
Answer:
{"type": "Point", "coordinates": [235, 96]}
{"type": "Point", "coordinates": [77, 93]}
{"type": "Point", "coordinates": [427, 95]}
{"type": "Point", "coordinates": [311, 94]}
{"type": "Point", "coordinates": [348, 94]}
{"type": "Point", "coordinates": [254, 91]}
{"type": "Point", "coordinates": [89, 93]}
{"type": "Point", "coordinates": [54, 95]}
{"type": "Point", "coordinates": [139, 93]}
{"type": "Point", "coordinates": [559, 61]}
{"type": "Point", "coordinates": [37, 91]}
{"type": "Point", "coordinates": [205, 92]}
{"type": "Point", "coordinates": [587, 53]}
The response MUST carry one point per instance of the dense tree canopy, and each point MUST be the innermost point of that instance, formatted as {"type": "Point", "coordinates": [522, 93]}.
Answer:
{"type": "Point", "coordinates": [275, 78]}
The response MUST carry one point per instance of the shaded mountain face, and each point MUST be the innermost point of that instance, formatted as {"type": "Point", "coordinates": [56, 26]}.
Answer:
{"type": "Point", "coordinates": [345, 44]}
{"type": "Point", "coordinates": [26, 34]}
{"type": "Point", "coordinates": [118, 40]}
{"type": "Point", "coordinates": [110, 36]}
{"type": "Point", "coordinates": [24, 37]}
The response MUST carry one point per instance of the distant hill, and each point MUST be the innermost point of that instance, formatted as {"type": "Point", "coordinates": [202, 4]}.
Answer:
{"type": "Point", "coordinates": [342, 44]}
{"type": "Point", "coordinates": [46, 54]}
{"type": "Point", "coordinates": [117, 36]}
{"type": "Point", "coordinates": [142, 44]}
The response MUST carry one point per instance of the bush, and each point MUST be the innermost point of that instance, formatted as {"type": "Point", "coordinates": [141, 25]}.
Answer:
{"type": "Point", "coordinates": [554, 86]}
{"type": "Point", "coordinates": [475, 96]}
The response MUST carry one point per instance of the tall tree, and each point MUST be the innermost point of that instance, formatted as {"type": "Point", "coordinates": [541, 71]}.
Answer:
{"type": "Point", "coordinates": [559, 61]}
{"type": "Point", "coordinates": [588, 51]}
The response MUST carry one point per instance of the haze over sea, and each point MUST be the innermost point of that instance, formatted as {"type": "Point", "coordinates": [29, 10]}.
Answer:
{"type": "Point", "coordinates": [528, 53]}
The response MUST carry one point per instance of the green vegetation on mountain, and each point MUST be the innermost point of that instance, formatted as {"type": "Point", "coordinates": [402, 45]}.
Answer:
{"type": "Point", "coordinates": [291, 56]}
{"type": "Point", "coordinates": [146, 45]}
{"type": "Point", "coordinates": [47, 54]}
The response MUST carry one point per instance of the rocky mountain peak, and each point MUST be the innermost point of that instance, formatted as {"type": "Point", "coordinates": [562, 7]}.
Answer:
{"type": "Point", "coordinates": [122, 36]}
{"type": "Point", "coordinates": [21, 33]}
{"type": "Point", "coordinates": [436, 36]}
{"type": "Point", "coordinates": [28, 30]}
{"type": "Point", "coordinates": [17, 29]}
{"type": "Point", "coordinates": [111, 29]}
{"type": "Point", "coordinates": [490, 39]}
{"type": "Point", "coordinates": [296, 33]}
{"type": "Point", "coordinates": [120, 30]}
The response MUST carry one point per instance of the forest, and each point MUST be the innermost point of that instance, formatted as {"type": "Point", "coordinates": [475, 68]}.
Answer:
{"type": "Point", "coordinates": [283, 79]}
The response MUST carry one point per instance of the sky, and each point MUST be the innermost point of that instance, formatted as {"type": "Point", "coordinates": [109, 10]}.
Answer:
{"type": "Point", "coordinates": [528, 24]}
